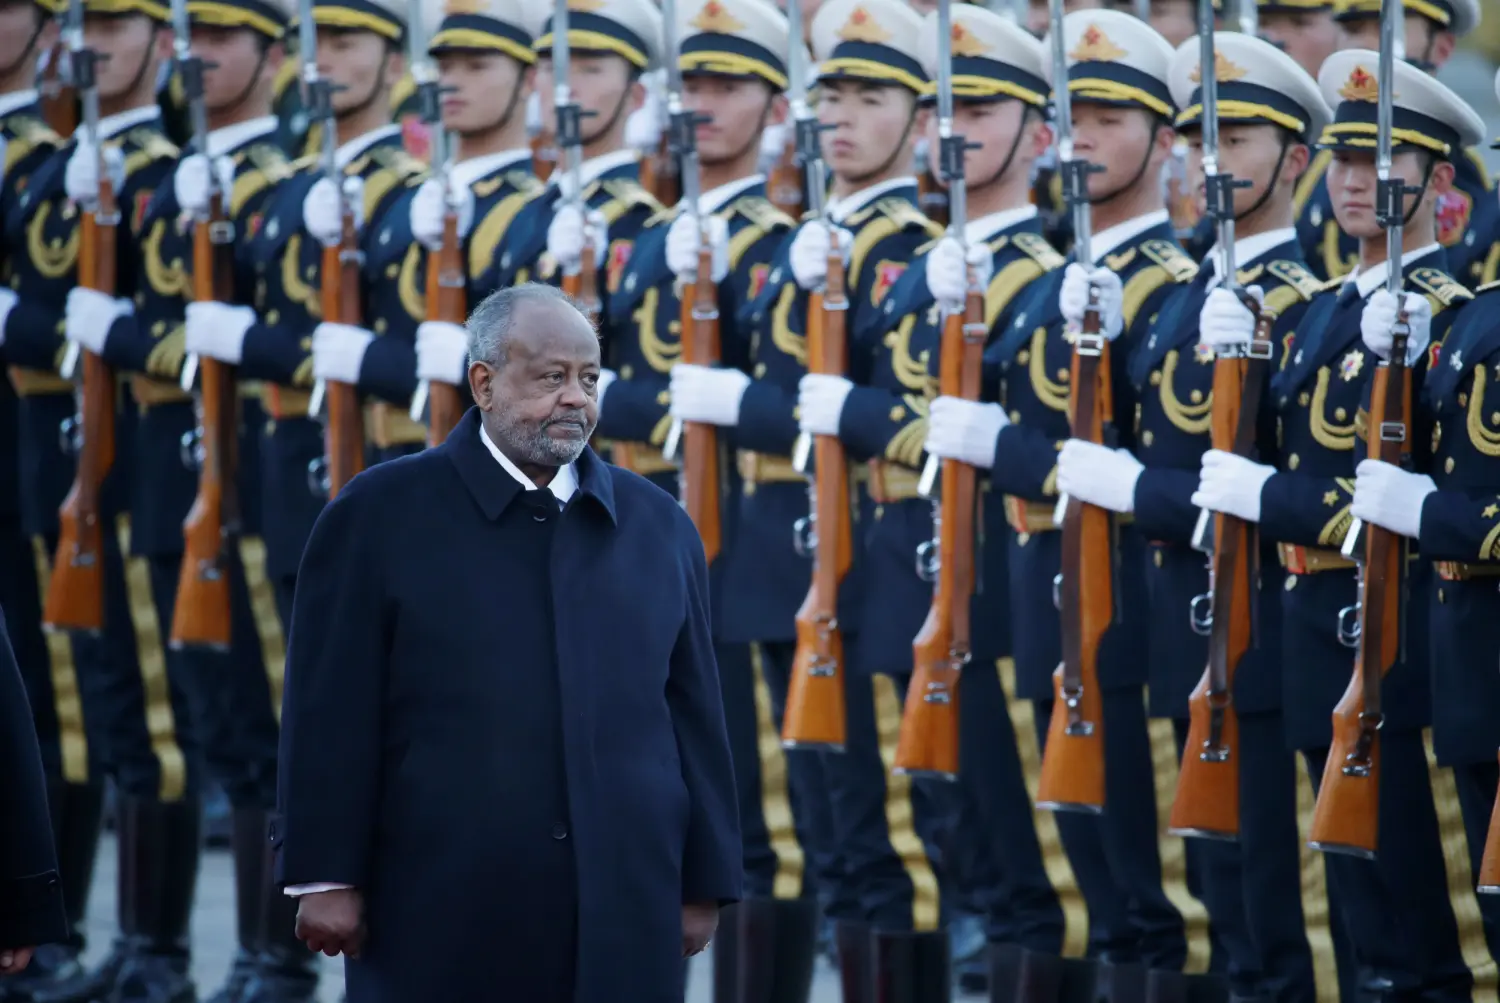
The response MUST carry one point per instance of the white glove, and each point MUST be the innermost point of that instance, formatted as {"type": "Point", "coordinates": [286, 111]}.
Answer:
{"type": "Point", "coordinates": [1231, 484]}
{"type": "Point", "coordinates": [217, 330]}
{"type": "Point", "coordinates": [8, 301]}
{"type": "Point", "coordinates": [190, 182]}
{"type": "Point", "coordinates": [533, 113]}
{"type": "Point", "coordinates": [323, 208]}
{"type": "Point", "coordinates": [442, 352]}
{"type": "Point", "coordinates": [1390, 497]}
{"type": "Point", "coordinates": [1098, 475]}
{"type": "Point", "coordinates": [948, 272]}
{"type": "Point", "coordinates": [712, 396]}
{"type": "Point", "coordinates": [81, 176]}
{"type": "Point", "coordinates": [1074, 299]}
{"type": "Point", "coordinates": [90, 314]}
{"type": "Point", "coordinates": [428, 208]}
{"type": "Point", "coordinates": [683, 240]}
{"type": "Point", "coordinates": [964, 430]}
{"type": "Point", "coordinates": [606, 378]}
{"type": "Point", "coordinates": [820, 402]}
{"type": "Point", "coordinates": [338, 350]}
{"type": "Point", "coordinates": [772, 142]}
{"type": "Point", "coordinates": [565, 236]}
{"type": "Point", "coordinates": [1225, 322]}
{"type": "Point", "coordinates": [1379, 317]}
{"type": "Point", "coordinates": [809, 254]}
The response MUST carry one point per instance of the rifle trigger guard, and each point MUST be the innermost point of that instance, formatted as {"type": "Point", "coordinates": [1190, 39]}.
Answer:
{"type": "Point", "coordinates": [1201, 614]}
{"type": "Point", "coordinates": [70, 435]}
{"type": "Point", "coordinates": [318, 481]}
{"type": "Point", "coordinates": [1057, 581]}
{"type": "Point", "coordinates": [929, 560]}
{"type": "Point", "coordinates": [190, 449]}
{"type": "Point", "coordinates": [805, 535]}
{"type": "Point", "coordinates": [1349, 626]}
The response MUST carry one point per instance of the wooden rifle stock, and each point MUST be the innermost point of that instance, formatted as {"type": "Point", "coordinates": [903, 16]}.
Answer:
{"type": "Point", "coordinates": [784, 186]}
{"type": "Point", "coordinates": [201, 616]}
{"type": "Point", "coordinates": [700, 441]}
{"type": "Point", "coordinates": [1489, 867]}
{"type": "Point", "coordinates": [929, 723]}
{"type": "Point", "coordinates": [1208, 785]}
{"type": "Point", "coordinates": [1072, 777]}
{"type": "Point", "coordinates": [543, 156]}
{"type": "Point", "coordinates": [344, 430]}
{"type": "Point", "coordinates": [448, 302]}
{"type": "Point", "coordinates": [659, 173]}
{"type": "Point", "coordinates": [815, 696]}
{"type": "Point", "coordinates": [59, 102]}
{"type": "Point", "coordinates": [1346, 818]}
{"type": "Point", "coordinates": [932, 197]}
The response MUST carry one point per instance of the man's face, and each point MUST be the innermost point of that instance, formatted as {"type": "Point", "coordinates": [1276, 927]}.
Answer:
{"type": "Point", "coordinates": [478, 87]}
{"type": "Point", "coordinates": [866, 123]}
{"type": "Point", "coordinates": [736, 109]}
{"type": "Point", "coordinates": [993, 126]}
{"type": "Point", "coordinates": [358, 63]}
{"type": "Point", "coordinates": [543, 403]}
{"type": "Point", "coordinates": [232, 60]}
{"type": "Point", "coordinates": [1353, 187]}
{"type": "Point", "coordinates": [597, 81]}
{"type": "Point", "coordinates": [18, 25]}
{"type": "Point", "coordinates": [1309, 37]}
{"type": "Point", "coordinates": [1250, 153]}
{"type": "Point", "coordinates": [1423, 39]}
{"type": "Point", "coordinates": [1117, 139]}
{"type": "Point", "coordinates": [1175, 20]}
{"type": "Point", "coordinates": [124, 41]}
{"type": "Point", "coordinates": [1039, 16]}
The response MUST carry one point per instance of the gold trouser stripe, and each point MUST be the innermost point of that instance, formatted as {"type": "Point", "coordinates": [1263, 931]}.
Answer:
{"type": "Point", "coordinates": [161, 725]}
{"type": "Point", "coordinates": [1173, 853]}
{"type": "Point", "coordinates": [1054, 857]}
{"type": "Point", "coordinates": [71, 738]}
{"type": "Point", "coordinates": [1455, 841]}
{"type": "Point", "coordinates": [267, 621]}
{"type": "Point", "coordinates": [775, 804]}
{"type": "Point", "coordinates": [1315, 918]}
{"type": "Point", "coordinates": [899, 819]}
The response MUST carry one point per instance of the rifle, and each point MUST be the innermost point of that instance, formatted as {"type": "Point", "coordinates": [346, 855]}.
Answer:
{"type": "Point", "coordinates": [784, 186]}
{"type": "Point", "coordinates": [1489, 866]}
{"type": "Point", "coordinates": [201, 616]}
{"type": "Point", "coordinates": [1347, 814]}
{"type": "Point", "coordinates": [1208, 787]}
{"type": "Point", "coordinates": [698, 482]}
{"type": "Point", "coordinates": [929, 723]}
{"type": "Point", "coordinates": [440, 404]}
{"type": "Point", "coordinates": [75, 593]}
{"type": "Point", "coordinates": [543, 155]}
{"type": "Point", "coordinates": [581, 284]}
{"type": "Point", "coordinates": [1072, 776]}
{"type": "Point", "coordinates": [58, 99]}
{"type": "Point", "coordinates": [814, 715]}
{"type": "Point", "coordinates": [343, 424]}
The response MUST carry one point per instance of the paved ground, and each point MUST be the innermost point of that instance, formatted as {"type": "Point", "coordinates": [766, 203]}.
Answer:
{"type": "Point", "coordinates": [213, 931]}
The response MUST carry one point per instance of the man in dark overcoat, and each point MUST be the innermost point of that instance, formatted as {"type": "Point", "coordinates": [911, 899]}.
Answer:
{"type": "Point", "coordinates": [504, 767]}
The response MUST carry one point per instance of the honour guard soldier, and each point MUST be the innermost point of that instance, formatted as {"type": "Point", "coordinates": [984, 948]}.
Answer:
{"type": "Point", "coordinates": [1303, 29]}
{"type": "Point", "coordinates": [1448, 507]}
{"type": "Point", "coordinates": [74, 785]}
{"type": "Point", "coordinates": [1303, 503]}
{"type": "Point", "coordinates": [274, 341]}
{"type": "Point", "coordinates": [124, 682]}
{"type": "Point", "coordinates": [1269, 112]}
{"type": "Point", "coordinates": [483, 50]}
{"type": "Point", "coordinates": [1000, 103]}
{"type": "Point", "coordinates": [1122, 119]}
{"type": "Point", "coordinates": [1466, 218]}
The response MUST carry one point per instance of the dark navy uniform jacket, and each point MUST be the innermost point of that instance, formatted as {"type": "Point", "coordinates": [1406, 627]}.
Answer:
{"type": "Point", "coordinates": [1173, 376]}
{"type": "Point", "coordinates": [1468, 223]}
{"type": "Point", "coordinates": [1318, 396]}
{"type": "Point", "coordinates": [575, 760]}
{"type": "Point", "coordinates": [150, 345]}
{"type": "Point", "coordinates": [1460, 529]}
{"type": "Point", "coordinates": [648, 302]}
{"type": "Point", "coordinates": [1032, 359]}
{"type": "Point", "coordinates": [287, 263]}
{"type": "Point", "coordinates": [878, 422]}
{"type": "Point", "coordinates": [44, 268]}
{"type": "Point", "coordinates": [28, 144]}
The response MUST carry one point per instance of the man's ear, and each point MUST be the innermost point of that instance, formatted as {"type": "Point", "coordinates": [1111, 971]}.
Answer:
{"type": "Point", "coordinates": [482, 385]}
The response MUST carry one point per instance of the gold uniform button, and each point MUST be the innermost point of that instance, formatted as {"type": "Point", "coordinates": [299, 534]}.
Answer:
{"type": "Point", "coordinates": [1015, 417]}
{"type": "Point", "coordinates": [273, 317]}
{"type": "Point", "coordinates": [898, 412]}
{"type": "Point", "coordinates": [1062, 375]}
{"type": "Point", "coordinates": [1147, 438]}
{"type": "Point", "coordinates": [664, 398]}
{"type": "Point", "coordinates": [1448, 466]}
{"type": "Point", "coordinates": [380, 325]}
{"type": "Point", "coordinates": [760, 370]}
{"type": "Point", "coordinates": [1303, 399]}
{"type": "Point", "coordinates": [1442, 597]}
{"type": "Point", "coordinates": [1156, 558]}
{"type": "Point", "coordinates": [1023, 356]}
{"type": "Point", "coordinates": [1156, 378]}
{"type": "Point", "coordinates": [1291, 582]}
{"type": "Point", "coordinates": [1293, 461]}
{"type": "Point", "coordinates": [391, 271]}
{"type": "Point", "coordinates": [626, 372]}
{"type": "Point", "coordinates": [1196, 396]}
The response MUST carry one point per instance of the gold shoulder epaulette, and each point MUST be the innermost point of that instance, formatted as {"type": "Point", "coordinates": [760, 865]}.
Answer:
{"type": "Point", "coordinates": [1443, 289]}
{"type": "Point", "coordinates": [1332, 285]}
{"type": "Point", "coordinates": [759, 210]}
{"type": "Point", "coordinates": [924, 248]}
{"type": "Point", "coordinates": [34, 130]}
{"type": "Point", "coordinates": [394, 158]}
{"type": "Point", "coordinates": [306, 163]}
{"type": "Point", "coordinates": [1172, 258]}
{"type": "Point", "coordinates": [664, 216]}
{"type": "Point", "coordinates": [1487, 287]}
{"type": "Point", "coordinates": [907, 215]}
{"type": "Point", "coordinates": [1036, 247]}
{"type": "Point", "coordinates": [523, 182]}
{"type": "Point", "coordinates": [1298, 276]}
{"type": "Point", "coordinates": [629, 191]}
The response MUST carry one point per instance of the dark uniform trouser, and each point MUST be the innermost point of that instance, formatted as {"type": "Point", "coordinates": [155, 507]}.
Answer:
{"type": "Point", "coordinates": [1252, 887]}
{"type": "Point", "coordinates": [1115, 856]}
{"type": "Point", "coordinates": [1396, 909]}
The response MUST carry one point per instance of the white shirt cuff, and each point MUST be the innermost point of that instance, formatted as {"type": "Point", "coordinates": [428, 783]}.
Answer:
{"type": "Point", "coordinates": [297, 891]}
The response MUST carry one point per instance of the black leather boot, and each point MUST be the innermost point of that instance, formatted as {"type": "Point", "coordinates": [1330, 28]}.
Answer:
{"type": "Point", "coordinates": [159, 848]}
{"type": "Point", "coordinates": [1116, 982]}
{"type": "Point", "coordinates": [855, 945]}
{"type": "Point", "coordinates": [727, 948]}
{"type": "Point", "coordinates": [247, 839]}
{"type": "Point", "coordinates": [778, 944]}
{"type": "Point", "coordinates": [1046, 978]}
{"type": "Point", "coordinates": [912, 967]}
{"type": "Point", "coordinates": [285, 970]}
{"type": "Point", "coordinates": [1005, 972]}
{"type": "Point", "coordinates": [1175, 987]}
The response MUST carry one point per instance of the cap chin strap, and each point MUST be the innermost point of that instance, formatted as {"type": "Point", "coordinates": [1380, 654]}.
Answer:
{"type": "Point", "coordinates": [36, 33]}
{"type": "Point", "coordinates": [1156, 125]}
{"type": "Point", "coordinates": [1286, 145]}
{"type": "Point", "coordinates": [885, 166]}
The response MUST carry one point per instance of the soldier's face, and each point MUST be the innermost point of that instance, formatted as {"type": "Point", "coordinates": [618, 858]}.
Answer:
{"type": "Point", "coordinates": [737, 111]}
{"type": "Point", "coordinates": [1038, 17]}
{"type": "Point", "coordinates": [232, 58]}
{"type": "Point", "coordinates": [993, 126]}
{"type": "Point", "coordinates": [1309, 37]}
{"type": "Point", "coordinates": [19, 24]}
{"type": "Point", "coordinates": [1353, 188]}
{"type": "Point", "coordinates": [1174, 20]}
{"type": "Point", "coordinates": [599, 84]}
{"type": "Point", "coordinates": [1119, 140]}
{"type": "Point", "coordinates": [1250, 153]}
{"type": "Point", "coordinates": [868, 126]}
{"type": "Point", "coordinates": [359, 63]}
{"type": "Point", "coordinates": [478, 87]}
{"type": "Point", "coordinates": [128, 41]}
{"type": "Point", "coordinates": [1424, 41]}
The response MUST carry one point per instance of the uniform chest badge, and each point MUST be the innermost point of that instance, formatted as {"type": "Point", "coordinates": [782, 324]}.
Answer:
{"type": "Point", "coordinates": [1453, 211]}
{"type": "Point", "coordinates": [758, 276]}
{"type": "Point", "coordinates": [252, 225]}
{"type": "Point", "coordinates": [138, 215]}
{"type": "Point", "coordinates": [1351, 364]}
{"type": "Point", "coordinates": [619, 256]}
{"type": "Point", "coordinates": [886, 274]}
{"type": "Point", "coordinates": [1203, 354]}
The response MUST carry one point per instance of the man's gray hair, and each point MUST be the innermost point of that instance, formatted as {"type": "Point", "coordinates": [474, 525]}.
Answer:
{"type": "Point", "coordinates": [492, 323]}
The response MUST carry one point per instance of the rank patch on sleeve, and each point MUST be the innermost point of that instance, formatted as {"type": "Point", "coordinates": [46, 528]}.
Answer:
{"type": "Point", "coordinates": [619, 257]}
{"type": "Point", "coordinates": [886, 274]}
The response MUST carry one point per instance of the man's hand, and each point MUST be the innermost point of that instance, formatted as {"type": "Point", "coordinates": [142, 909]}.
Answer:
{"type": "Point", "coordinates": [333, 922]}
{"type": "Point", "coordinates": [698, 925]}
{"type": "Point", "coordinates": [15, 960]}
